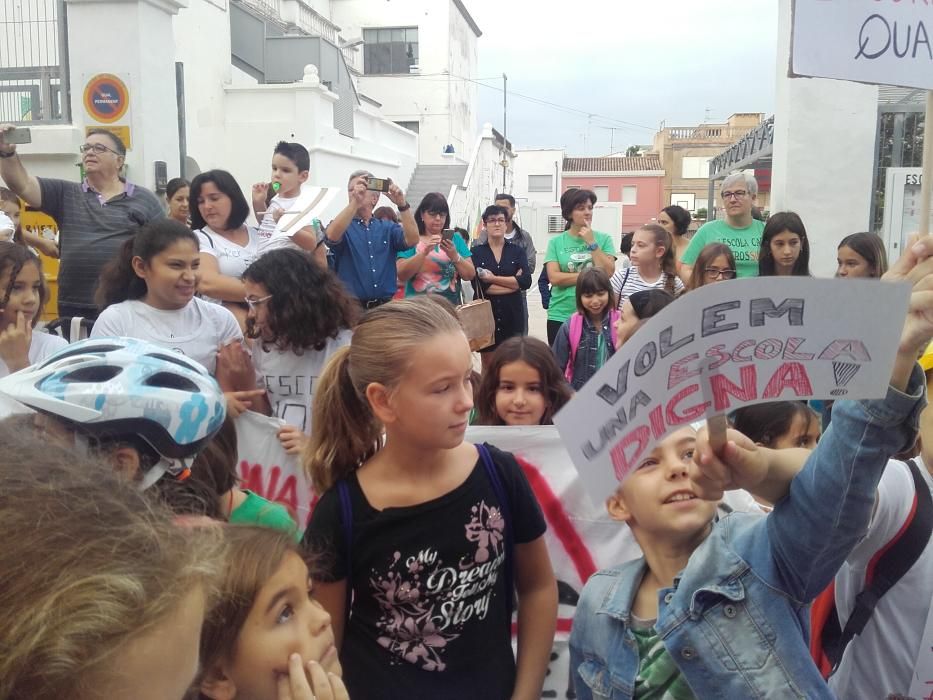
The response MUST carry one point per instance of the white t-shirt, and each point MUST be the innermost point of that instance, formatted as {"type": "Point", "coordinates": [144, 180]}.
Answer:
{"type": "Point", "coordinates": [880, 661]}
{"type": "Point", "coordinates": [291, 379]}
{"type": "Point", "coordinates": [43, 345]}
{"type": "Point", "coordinates": [232, 259]}
{"type": "Point", "coordinates": [195, 331]}
{"type": "Point", "coordinates": [269, 238]}
{"type": "Point", "coordinates": [634, 283]}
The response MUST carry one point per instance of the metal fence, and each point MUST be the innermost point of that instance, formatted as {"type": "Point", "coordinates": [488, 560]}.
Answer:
{"type": "Point", "coordinates": [33, 61]}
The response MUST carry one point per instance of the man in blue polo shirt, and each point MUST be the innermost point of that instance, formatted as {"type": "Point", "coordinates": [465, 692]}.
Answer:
{"type": "Point", "coordinates": [365, 248]}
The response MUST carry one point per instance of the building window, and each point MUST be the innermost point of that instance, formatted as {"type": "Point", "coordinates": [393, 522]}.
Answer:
{"type": "Point", "coordinates": [388, 51]}
{"type": "Point", "coordinates": [540, 183]}
{"type": "Point", "coordinates": [687, 200]}
{"type": "Point", "coordinates": [411, 126]}
{"type": "Point", "coordinates": [694, 168]}
{"type": "Point", "coordinates": [629, 194]}
{"type": "Point", "coordinates": [602, 193]}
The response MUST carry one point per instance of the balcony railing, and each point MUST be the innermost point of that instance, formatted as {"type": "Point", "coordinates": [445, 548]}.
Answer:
{"type": "Point", "coordinates": [705, 133]}
{"type": "Point", "coordinates": [316, 24]}
{"type": "Point", "coordinates": [33, 62]}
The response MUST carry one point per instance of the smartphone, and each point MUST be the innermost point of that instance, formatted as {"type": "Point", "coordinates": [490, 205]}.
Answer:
{"type": "Point", "coordinates": [378, 184]}
{"type": "Point", "coordinates": [447, 234]}
{"type": "Point", "coordinates": [18, 135]}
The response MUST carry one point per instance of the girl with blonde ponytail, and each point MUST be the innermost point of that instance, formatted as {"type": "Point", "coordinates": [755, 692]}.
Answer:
{"type": "Point", "coordinates": [429, 536]}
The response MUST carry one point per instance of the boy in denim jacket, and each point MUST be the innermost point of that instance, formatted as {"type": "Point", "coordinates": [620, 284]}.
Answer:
{"type": "Point", "coordinates": [720, 609]}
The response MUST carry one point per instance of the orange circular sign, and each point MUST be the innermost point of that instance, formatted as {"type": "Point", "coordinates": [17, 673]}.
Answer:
{"type": "Point", "coordinates": [106, 98]}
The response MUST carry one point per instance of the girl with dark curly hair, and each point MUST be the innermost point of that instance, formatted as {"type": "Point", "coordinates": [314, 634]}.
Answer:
{"type": "Point", "coordinates": [299, 314]}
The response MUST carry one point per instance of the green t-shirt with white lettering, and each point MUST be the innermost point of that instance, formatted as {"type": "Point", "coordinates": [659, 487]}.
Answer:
{"type": "Point", "coordinates": [745, 244]}
{"type": "Point", "coordinates": [570, 253]}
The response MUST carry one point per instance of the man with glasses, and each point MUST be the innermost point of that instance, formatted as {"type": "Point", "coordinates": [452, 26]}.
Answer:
{"type": "Point", "coordinates": [94, 217]}
{"type": "Point", "coordinates": [515, 234]}
{"type": "Point", "coordinates": [365, 247]}
{"type": "Point", "coordinates": [739, 229]}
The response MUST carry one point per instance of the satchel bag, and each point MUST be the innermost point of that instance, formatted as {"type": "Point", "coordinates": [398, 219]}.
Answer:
{"type": "Point", "coordinates": [478, 322]}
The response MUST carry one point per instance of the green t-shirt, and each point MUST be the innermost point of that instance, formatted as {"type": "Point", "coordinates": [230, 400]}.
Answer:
{"type": "Point", "coordinates": [256, 510]}
{"type": "Point", "coordinates": [745, 244]}
{"type": "Point", "coordinates": [658, 676]}
{"type": "Point", "coordinates": [570, 253]}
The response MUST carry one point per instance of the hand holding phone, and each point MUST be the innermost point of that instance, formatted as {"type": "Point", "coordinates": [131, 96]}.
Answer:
{"type": "Point", "coordinates": [378, 184]}
{"type": "Point", "coordinates": [448, 234]}
{"type": "Point", "coordinates": [17, 135]}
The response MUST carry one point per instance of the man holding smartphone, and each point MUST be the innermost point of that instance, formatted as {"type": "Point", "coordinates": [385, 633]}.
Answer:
{"type": "Point", "coordinates": [94, 217]}
{"type": "Point", "coordinates": [364, 247]}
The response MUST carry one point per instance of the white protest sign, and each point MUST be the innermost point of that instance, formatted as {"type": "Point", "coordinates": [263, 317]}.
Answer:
{"type": "Point", "coordinates": [310, 205]}
{"type": "Point", "coordinates": [265, 468]}
{"type": "Point", "coordinates": [884, 42]}
{"type": "Point", "coordinates": [770, 339]}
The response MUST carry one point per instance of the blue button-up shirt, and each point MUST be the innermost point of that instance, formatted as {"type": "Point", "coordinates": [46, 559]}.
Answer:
{"type": "Point", "coordinates": [364, 258]}
{"type": "Point", "coordinates": [736, 622]}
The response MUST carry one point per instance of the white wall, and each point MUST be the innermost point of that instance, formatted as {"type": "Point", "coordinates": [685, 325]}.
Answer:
{"type": "Point", "coordinates": [483, 182]}
{"type": "Point", "coordinates": [538, 162]}
{"type": "Point", "coordinates": [202, 44]}
{"type": "Point", "coordinates": [257, 116]}
{"type": "Point", "coordinates": [828, 181]}
{"type": "Point", "coordinates": [444, 107]}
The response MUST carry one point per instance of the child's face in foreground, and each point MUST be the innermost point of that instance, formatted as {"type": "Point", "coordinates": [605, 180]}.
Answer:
{"type": "Point", "coordinates": [657, 498]}
{"type": "Point", "coordinates": [627, 323]}
{"type": "Point", "coordinates": [520, 397]}
{"type": "Point", "coordinates": [284, 620]}
{"type": "Point", "coordinates": [24, 295]}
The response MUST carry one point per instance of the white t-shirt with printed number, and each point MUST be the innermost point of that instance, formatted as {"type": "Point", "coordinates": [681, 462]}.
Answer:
{"type": "Point", "coordinates": [290, 379]}
{"type": "Point", "coordinates": [42, 346]}
{"type": "Point", "coordinates": [880, 661]}
{"type": "Point", "coordinates": [196, 331]}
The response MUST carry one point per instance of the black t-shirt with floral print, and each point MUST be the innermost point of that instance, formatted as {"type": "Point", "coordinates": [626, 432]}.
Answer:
{"type": "Point", "coordinates": [429, 613]}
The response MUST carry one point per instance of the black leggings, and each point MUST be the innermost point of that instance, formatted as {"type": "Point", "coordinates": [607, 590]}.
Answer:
{"type": "Point", "coordinates": [552, 328]}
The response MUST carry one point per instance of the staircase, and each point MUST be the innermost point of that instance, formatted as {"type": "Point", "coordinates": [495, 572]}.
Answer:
{"type": "Point", "coordinates": [433, 178]}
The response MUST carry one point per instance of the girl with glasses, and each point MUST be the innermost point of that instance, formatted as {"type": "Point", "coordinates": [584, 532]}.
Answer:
{"type": "Point", "coordinates": [299, 315]}
{"type": "Point", "coordinates": [715, 263]}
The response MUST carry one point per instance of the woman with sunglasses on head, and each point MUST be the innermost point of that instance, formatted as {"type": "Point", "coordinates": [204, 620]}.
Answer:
{"type": "Point", "coordinates": [95, 217]}
{"type": "Point", "coordinates": [441, 259]}
{"type": "Point", "coordinates": [715, 263]}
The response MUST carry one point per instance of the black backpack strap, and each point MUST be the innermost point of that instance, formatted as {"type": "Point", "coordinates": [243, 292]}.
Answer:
{"type": "Point", "coordinates": [346, 520]}
{"type": "Point", "coordinates": [887, 568]}
{"type": "Point", "coordinates": [493, 474]}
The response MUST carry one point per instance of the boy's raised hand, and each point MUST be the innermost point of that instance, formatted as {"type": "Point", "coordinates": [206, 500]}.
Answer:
{"type": "Point", "coordinates": [741, 465]}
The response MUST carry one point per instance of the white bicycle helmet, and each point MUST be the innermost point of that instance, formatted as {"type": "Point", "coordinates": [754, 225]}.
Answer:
{"type": "Point", "coordinates": [108, 388]}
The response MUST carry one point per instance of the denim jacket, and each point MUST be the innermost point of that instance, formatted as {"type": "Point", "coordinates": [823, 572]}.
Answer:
{"type": "Point", "coordinates": [736, 621]}
{"type": "Point", "coordinates": [585, 361]}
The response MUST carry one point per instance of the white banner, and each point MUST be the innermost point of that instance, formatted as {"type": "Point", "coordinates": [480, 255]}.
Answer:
{"type": "Point", "coordinates": [265, 468]}
{"type": "Point", "coordinates": [885, 42]}
{"type": "Point", "coordinates": [724, 346]}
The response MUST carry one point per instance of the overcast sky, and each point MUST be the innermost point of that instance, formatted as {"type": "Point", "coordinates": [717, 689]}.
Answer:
{"type": "Point", "coordinates": [638, 61]}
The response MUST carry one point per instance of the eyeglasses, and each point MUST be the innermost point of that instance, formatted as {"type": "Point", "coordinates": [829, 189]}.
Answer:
{"type": "Point", "coordinates": [97, 148]}
{"type": "Point", "coordinates": [714, 273]}
{"type": "Point", "coordinates": [436, 214]}
{"type": "Point", "coordinates": [738, 194]}
{"type": "Point", "coordinates": [496, 220]}
{"type": "Point", "coordinates": [253, 303]}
